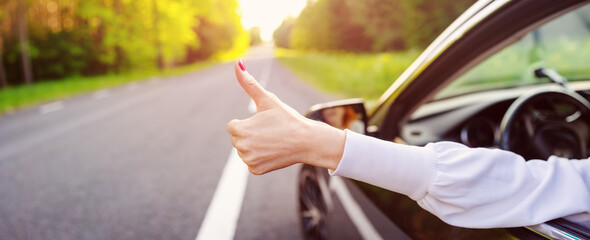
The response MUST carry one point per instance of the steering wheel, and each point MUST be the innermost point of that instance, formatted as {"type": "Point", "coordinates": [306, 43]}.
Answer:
{"type": "Point", "coordinates": [547, 121]}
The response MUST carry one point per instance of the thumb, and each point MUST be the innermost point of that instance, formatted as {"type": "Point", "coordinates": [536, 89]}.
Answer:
{"type": "Point", "coordinates": [258, 94]}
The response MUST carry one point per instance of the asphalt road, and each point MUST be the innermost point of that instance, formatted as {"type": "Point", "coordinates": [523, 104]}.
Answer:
{"type": "Point", "coordinates": [142, 161]}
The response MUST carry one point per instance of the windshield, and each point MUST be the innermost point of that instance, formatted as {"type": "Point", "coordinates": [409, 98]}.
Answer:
{"type": "Point", "coordinates": [562, 44]}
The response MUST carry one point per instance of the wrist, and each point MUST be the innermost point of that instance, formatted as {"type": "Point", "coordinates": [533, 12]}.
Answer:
{"type": "Point", "coordinates": [325, 145]}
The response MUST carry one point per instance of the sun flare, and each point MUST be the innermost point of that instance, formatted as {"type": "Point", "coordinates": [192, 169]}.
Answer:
{"type": "Point", "coordinates": [268, 14]}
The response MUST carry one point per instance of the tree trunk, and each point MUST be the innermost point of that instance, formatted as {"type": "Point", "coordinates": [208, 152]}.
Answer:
{"type": "Point", "coordinates": [23, 37]}
{"type": "Point", "coordinates": [159, 58]}
{"type": "Point", "coordinates": [3, 80]}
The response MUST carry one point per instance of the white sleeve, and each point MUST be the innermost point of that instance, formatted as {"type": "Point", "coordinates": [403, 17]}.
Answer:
{"type": "Point", "coordinates": [472, 187]}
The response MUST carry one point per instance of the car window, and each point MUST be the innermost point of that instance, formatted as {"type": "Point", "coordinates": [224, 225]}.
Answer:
{"type": "Point", "coordinates": [562, 44]}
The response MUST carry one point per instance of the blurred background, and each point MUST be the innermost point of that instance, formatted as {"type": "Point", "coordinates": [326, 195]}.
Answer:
{"type": "Point", "coordinates": [90, 44]}
{"type": "Point", "coordinates": [113, 112]}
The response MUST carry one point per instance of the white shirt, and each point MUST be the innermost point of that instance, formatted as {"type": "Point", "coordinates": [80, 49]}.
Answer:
{"type": "Point", "coordinates": [472, 187]}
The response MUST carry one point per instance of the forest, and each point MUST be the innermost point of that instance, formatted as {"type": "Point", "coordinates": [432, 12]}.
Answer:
{"type": "Point", "coordinates": [52, 39]}
{"type": "Point", "coordinates": [368, 25]}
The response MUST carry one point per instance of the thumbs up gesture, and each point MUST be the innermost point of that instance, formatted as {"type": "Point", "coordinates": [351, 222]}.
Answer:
{"type": "Point", "coordinates": [277, 136]}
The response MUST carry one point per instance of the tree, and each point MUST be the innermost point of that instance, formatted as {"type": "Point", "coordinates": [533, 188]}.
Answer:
{"type": "Point", "coordinates": [255, 36]}
{"type": "Point", "coordinates": [219, 30]}
{"type": "Point", "coordinates": [159, 57]}
{"type": "Point", "coordinates": [3, 80]}
{"type": "Point", "coordinates": [312, 27]}
{"type": "Point", "coordinates": [23, 36]}
{"type": "Point", "coordinates": [61, 38]}
{"type": "Point", "coordinates": [282, 34]}
{"type": "Point", "coordinates": [326, 25]}
{"type": "Point", "coordinates": [371, 25]}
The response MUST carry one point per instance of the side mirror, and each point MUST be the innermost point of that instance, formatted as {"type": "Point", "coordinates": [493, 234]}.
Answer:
{"type": "Point", "coordinates": [344, 114]}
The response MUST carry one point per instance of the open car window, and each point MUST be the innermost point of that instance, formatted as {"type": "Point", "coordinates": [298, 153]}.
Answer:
{"type": "Point", "coordinates": [562, 44]}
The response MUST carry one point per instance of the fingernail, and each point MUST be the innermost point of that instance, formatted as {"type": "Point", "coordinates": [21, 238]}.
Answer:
{"type": "Point", "coordinates": [242, 66]}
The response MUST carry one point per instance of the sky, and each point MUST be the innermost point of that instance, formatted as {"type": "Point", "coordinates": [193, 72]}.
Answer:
{"type": "Point", "coordinates": [268, 14]}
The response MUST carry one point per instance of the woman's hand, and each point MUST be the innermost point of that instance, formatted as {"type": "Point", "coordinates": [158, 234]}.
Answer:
{"type": "Point", "coordinates": [277, 136]}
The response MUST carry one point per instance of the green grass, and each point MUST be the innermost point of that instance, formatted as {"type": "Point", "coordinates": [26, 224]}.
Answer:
{"type": "Point", "coordinates": [14, 98]}
{"type": "Point", "coordinates": [348, 75]}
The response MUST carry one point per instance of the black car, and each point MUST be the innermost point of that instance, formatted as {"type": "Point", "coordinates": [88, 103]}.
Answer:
{"type": "Point", "coordinates": [513, 75]}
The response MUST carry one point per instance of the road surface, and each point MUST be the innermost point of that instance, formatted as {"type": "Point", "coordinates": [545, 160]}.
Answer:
{"type": "Point", "coordinates": [142, 161]}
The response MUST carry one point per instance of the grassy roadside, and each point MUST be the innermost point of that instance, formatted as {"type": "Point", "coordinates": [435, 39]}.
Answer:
{"type": "Point", "coordinates": [348, 75]}
{"type": "Point", "coordinates": [14, 98]}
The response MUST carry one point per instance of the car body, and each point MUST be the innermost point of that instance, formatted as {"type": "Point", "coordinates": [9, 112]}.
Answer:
{"type": "Point", "coordinates": [434, 101]}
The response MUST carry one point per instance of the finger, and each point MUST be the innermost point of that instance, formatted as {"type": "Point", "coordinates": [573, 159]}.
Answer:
{"type": "Point", "coordinates": [250, 85]}
{"type": "Point", "coordinates": [255, 171]}
{"type": "Point", "coordinates": [232, 127]}
{"type": "Point", "coordinates": [234, 142]}
{"type": "Point", "coordinates": [241, 155]}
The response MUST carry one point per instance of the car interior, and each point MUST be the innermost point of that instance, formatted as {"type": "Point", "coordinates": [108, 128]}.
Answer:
{"type": "Point", "coordinates": [471, 109]}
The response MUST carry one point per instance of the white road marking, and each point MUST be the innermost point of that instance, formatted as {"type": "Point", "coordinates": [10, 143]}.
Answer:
{"type": "Point", "coordinates": [100, 94]}
{"type": "Point", "coordinates": [252, 106]}
{"type": "Point", "coordinates": [264, 76]}
{"type": "Point", "coordinates": [222, 216]}
{"type": "Point", "coordinates": [354, 211]}
{"type": "Point", "coordinates": [51, 107]}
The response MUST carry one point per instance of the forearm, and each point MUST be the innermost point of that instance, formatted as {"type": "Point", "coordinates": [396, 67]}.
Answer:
{"type": "Point", "coordinates": [476, 188]}
{"type": "Point", "coordinates": [400, 168]}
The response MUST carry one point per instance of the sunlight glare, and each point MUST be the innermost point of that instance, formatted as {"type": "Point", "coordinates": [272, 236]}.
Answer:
{"type": "Point", "coordinates": [268, 14]}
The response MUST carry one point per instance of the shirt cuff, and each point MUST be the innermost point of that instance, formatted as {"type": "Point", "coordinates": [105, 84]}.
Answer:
{"type": "Point", "coordinates": [408, 170]}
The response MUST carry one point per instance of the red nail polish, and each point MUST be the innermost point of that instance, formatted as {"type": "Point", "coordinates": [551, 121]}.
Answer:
{"type": "Point", "coordinates": [242, 66]}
